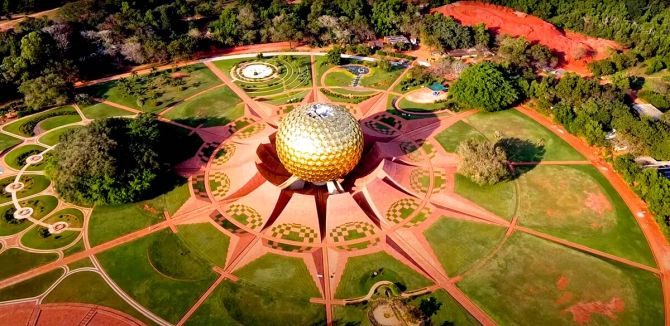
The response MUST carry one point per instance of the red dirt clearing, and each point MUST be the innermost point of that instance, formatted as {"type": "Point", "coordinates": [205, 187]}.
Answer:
{"type": "Point", "coordinates": [581, 312]}
{"type": "Point", "coordinates": [576, 50]}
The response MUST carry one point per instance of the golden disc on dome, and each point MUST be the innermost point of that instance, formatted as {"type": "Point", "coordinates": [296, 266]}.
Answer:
{"type": "Point", "coordinates": [319, 142]}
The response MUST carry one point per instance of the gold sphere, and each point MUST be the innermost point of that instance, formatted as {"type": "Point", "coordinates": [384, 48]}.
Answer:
{"type": "Point", "coordinates": [319, 142]}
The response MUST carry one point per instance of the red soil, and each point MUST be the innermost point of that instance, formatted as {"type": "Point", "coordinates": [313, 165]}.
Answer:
{"type": "Point", "coordinates": [565, 298]}
{"type": "Point", "coordinates": [581, 312]}
{"type": "Point", "coordinates": [178, 75]}
{"type": "Point", "coordinates": [598, 203]}
{"type": "Point", "coordinates": [562, 283]}
{"type": "Point", "coordinates": [576, 50]}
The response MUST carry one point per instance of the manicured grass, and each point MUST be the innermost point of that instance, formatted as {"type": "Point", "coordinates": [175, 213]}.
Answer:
{"type": "Point", "coordinates": [72, 216]}
{"type": "Point", "coordinates": [351, 315]}
{"type": "Point", "coordinates": [26, 125]}
{"type": "Point", "coordinates": [101, 110]}
{"type": "Point", "coordinates": [577, 203]}
{"type": "Point", "coordinates": [31, 287]}
{"type": "Point", "coordinates": [451, 137]}
{"type": "Point", "coordinates": [110, 222]}
{"type": "Point", "coordinates": [226, 65]}
{"type": "Point", "coordinates": [512, 123]}
{"type": "Point", "coordinates": [287, 98]}
{"type": "Point", "coordinates": [58, 121]}
{"type": "Point", "coordinates": [321, 66]}
{"type": "Point", "coordinates": [537, 282]}
{"type": "Point", "coordinates": [171, 257]}
{"type": "Point", "coordinates": [53, 137]}
{"type": "Point", "coordinates": [460, 244]}
{"type": "Point", "coordinates": [79, 247]}
{"type": "Point", "coordinates": [131, 268]}
{"type": "Point", "coordinates": [214, 108]}
{"type": "Point", "coordinates": [42, 205]}
{"type": "Point", "coordinates": [358, 275]}
{"type": "Point", "coordinates": [499, 199]}
{"type": "Point", "coordinates": [339, 77]}
{"type": "Point", "coordinates": [272, 290]}
{"type": "Point", "coordinates": [32, 184]}
{"type": "Point", "coordinates": [196, 78]}
{"type": "Point", "coordinates": [16, 158]}
{"type": "Point", "coordinates": [89, 287]}
{"type": "Point", "coordinates": [7, 141]}
{"type": "Point", "coordinates": [209, 242]}
{"type": "Point", "coordinates": [82, 263]}
{"type": "Point", "coordinates": [381, 79]}
{"type": "Point", "coordinates": [450, 311]}
{"type": "Point", "coordinates": [16, 261]}
{"type": "Point", "coordinates": [408, 105]}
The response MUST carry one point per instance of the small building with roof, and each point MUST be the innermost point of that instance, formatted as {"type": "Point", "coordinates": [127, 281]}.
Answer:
{"type": "Point", "coordinates": [647, 110]}
{"type": "Point", "coordinates": [437, 88]}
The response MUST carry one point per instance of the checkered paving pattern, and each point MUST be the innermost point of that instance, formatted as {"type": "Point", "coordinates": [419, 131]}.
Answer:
{"type": "Point", "coordinates": [240, 123]}
{"type": "Point", "coordinates": [250, 131]}
{"type": "Point", "coordinates": [219, 183]}
{"type": "Point", "coordinates": [380, 128]}
{"type": "Point", "coordinates": [419, 180]}
{"type": "Point", "coordinates": [404, 208]}
{"type": "Point", "coordinates": [359, 246]}
{"type": "Point", "coordinates": [219, 219]}
{"type": "Point", "coordinates": [245, 215]}
{"type": "Point", "coordinates": [294, 232]}
{"type": "Point", "coordinates": [223, 155]}
{"type": "Point", "coordinates": [206, 151]}
{"type": "Point", "coordinates": [198, 184]}
{"type": "Point", "coordinates": [287, 247]}
{"type": "Point", "coordinates": [351, 231]}
{"type": "Point", "coordinates": [425, 151]}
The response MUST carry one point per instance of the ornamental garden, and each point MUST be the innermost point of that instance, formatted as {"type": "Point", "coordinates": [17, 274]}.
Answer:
{"type": "Point", "coordinates": [409, 239]}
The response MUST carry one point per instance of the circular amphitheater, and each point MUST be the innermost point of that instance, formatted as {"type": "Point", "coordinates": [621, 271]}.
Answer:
{"type": "Point", "coordinates": [272, 76]}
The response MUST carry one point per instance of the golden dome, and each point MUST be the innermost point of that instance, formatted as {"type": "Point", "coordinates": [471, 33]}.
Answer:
{"type": "Point", "coordinates": [319, 142]}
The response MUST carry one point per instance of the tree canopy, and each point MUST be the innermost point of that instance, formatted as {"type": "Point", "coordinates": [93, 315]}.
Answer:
{"type": "Point", "coordinates": [484, 86]}
{"type": "Point", "coordinates": [482, 162]}
{"type": "Point", "coordinates": [111, 161]}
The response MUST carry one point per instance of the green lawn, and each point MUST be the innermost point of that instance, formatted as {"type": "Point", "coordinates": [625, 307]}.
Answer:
{"type": "Point", "coordinates": [53, 137]}
{"type": "Point", "coordinates": [450, 311]}
{"type": "Point", "coordinates": [287, 98]}
{"type": "Point", "coordinates": [209, 242]}
{"type": "Point", "coordinates": [196, 78]}
{"type": "Point", "coordinates": [130, 266]}
{"type": "Point", "coordinates": [91, 288]}
{"type": "Point", "coordinates": [499, 199]}
{"type": "Point", "coordinates": [32, 184]}
{"type": "Point", "coordinates": [272, 290]}
{"type": "Point", "coordinates": [31, 287]}
{"type": "Point", "coordinates": [215, 108]}
{"type": "Point", "coordinates": [110, 222]}
{"type": "Point", "coordinates": [339, 77]}
{"type": "Point", "coordinates": [351, 315]}
{"type": "Point", "coordinates": [58, 121]}
{"type": "Point", "coordinates": [226, 65]}
{"type": "Point", "coordinates": [381, 79]}
{"type": "Point", "coordinates": [101, 110]}
{"type": "Point", "coordinates": [512, 123]}
{"type": "Point", "coordinates": [577, 203]}
{"type": "Point", "coordinates": [7, 141]}
{"type": "Point", "coordinates": [451, 137]}
{"type": "Point", "coordinates": [321, 64]}
{"type": "Point", "coordinates": [42, 205]}
{"type": "Point", "coordinates": [33, 238]}
{"type": "Point", "coordinates": [540, 282]}
{"type": "Point", "coordinates": [82, 263]}
{"type": "Point", "coordinates": [16, 261]}
{"type": "Point", "coordinates": [26, 126]}
{"type": "Point", "coordinates": [358, 275]}
{"type": "Point", "coordinates": [16, 158]}
{"type": "Point", "coordinates": [460, 244]}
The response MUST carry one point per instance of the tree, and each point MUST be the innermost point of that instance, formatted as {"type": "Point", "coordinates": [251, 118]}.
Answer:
{"type": "Point", "coordinates": [386, 16]}
{"type": "Point", "coordinates": [444, 33]}
{"type": "Point", "coordinates": [226, 29]}
{"type": "Point", "coordinates": [111, 161]}
{"type": "Point", "coordinates": [45, 91]}
{"type": "Point", "coordinates": [334, 55]}
{"type": "Point", "coordinates": [484, 86]}
{"type": "Point", "coordinates": [482, 36]}
{"type": "Point", "coordinates": [482, 162]}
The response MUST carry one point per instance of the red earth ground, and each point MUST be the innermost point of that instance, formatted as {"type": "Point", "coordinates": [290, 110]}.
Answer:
{"type": "Point", "coordinates": [581, 312]}
{"type": "Point", "coordinates": [576, 50]}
